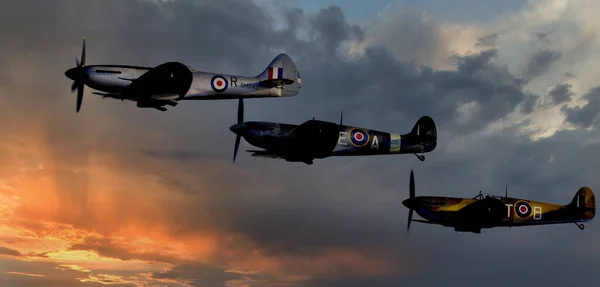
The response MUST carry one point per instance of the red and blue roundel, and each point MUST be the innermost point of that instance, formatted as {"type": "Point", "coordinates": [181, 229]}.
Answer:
{"type": "Point", "coordinates": [218, 83]}
{"type": "Point", "coordinates": [522, 209]}
{"type": "Point", "coordinates": [358, 137]}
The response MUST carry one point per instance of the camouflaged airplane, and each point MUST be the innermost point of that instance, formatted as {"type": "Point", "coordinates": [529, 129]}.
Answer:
{"type": "Point", "coordinates": [316, 139]}
{"type": "Point", "coordinates": [471, 215]}
{"type": "Point", "coordinates": [168, 83]}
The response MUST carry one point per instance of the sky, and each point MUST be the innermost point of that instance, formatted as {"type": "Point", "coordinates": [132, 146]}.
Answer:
{"type": "Point", "coordinates": [121, 196]}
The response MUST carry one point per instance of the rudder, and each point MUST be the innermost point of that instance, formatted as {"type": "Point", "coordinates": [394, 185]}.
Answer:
{"type": "Point", "coordinates": [425, 126]}
{"type": "Point", "coordinates": [422, 137]}
{"type": "Point", "coordinates": [584, 201]}
{"type": "Point", "coordinates": [283, 71]}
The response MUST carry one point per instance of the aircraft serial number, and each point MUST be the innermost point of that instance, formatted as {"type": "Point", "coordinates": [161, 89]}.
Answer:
{"type": "Point", "coordinates": [251, 86]}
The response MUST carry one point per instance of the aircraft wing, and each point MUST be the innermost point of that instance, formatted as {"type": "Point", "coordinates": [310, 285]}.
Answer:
{"type": "Point", "coordinates": [424, 221]}
{"type": "Point", "coordinates": [482, 212]}
{"type": "Point", "coordinates": [264, 153]}
{"type": "Point", "coordinates": [168, 81]}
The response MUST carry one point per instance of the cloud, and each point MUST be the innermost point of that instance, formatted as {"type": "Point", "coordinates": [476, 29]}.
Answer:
{"type": "Point", "coordinates": [488, 40]}
{"type": "Point", "coordinates": [587, 115]}
{"type": "Point", "coordinates": [540, 63]}
{"type": "Point", "coordinates": [198, 274]}
{"type": "Point", "coordinates": [132, 196]}
{"type": "Point", "coordinates": [8, 251]}
{"type": "Point", "coordinates": [561, 93]}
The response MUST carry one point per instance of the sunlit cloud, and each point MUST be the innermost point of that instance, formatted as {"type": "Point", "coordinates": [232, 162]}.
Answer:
{"type": "Point", "coordinates": [24, 274]}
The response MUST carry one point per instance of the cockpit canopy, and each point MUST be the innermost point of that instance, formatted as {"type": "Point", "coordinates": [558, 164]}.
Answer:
{"type": "Point", "coordinates": [481, 196]}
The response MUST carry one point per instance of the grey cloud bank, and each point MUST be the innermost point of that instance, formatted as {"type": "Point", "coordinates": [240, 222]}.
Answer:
{"type": "Point", "coordinates": [287, 209]}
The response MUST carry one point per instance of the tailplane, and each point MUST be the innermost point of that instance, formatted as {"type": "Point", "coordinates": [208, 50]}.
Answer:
{"type": "Point", "coordinates": [282, 73]}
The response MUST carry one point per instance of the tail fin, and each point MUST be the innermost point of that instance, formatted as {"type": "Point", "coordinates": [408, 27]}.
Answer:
{"type": "Point", "coordinates": [584, 202]}
{"type": "Point", "coordinates": [282, 72]}
{"type": "Point", "coordinates": [423, 135]}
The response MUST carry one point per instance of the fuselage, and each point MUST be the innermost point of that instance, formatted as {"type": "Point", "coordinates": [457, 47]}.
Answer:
{"type": "Point", "coordinates": [115, 79]}
{"type": "Point", "coordinates": [320, 139]}
{"type": "Point", "coordinates": [502, 211]}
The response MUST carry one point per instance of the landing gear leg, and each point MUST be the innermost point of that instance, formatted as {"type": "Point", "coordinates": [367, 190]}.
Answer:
{"type": "Point", "coordinates": [581, 226]}
{"type": "Point", "coordinates": [420, 157]}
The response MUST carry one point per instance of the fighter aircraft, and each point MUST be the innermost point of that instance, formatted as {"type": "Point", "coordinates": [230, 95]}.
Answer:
{"type": "Point", "coordinates": [168, 83]}
{"type": "Point", "coordinates": [473, 214]}
{"type": "Point", "coordinates": [316, 139]}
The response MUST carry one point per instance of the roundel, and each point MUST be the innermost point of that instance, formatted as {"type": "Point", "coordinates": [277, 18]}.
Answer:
{"type": "Point", "coordinates": [218, 83]}
{"type": "Point", "coordinates": [358, 137]}
{"type": "Point", "coordinates": [523, 209]}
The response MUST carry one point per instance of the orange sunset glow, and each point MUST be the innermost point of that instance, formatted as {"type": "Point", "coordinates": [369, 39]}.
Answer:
{"type": "Point", "coordinates": [144, 185]}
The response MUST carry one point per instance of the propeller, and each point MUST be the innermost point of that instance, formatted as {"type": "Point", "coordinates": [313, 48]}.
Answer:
{"type": "Point", "coordinates": [240, 120]}
{"type": "Point", "coordinates": [78, 75]}
{"type": "Point", "coordinates": [412, 195]}
{"type": "Point", "coordinates": [341, 117]}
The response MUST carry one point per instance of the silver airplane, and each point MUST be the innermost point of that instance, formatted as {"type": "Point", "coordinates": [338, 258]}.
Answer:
{"type": "Point", "coordinates": [168, 83]}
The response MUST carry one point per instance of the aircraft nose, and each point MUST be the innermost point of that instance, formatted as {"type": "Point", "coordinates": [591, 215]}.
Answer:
{"type": "Point", "coordinates": [410, 203]}
{"type": "Point", "coordinates": [71, 73]}
{"type": "Point", "coordinates": [238, 129]}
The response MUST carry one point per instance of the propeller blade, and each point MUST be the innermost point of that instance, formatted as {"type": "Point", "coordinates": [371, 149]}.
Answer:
{"type": "Point", "coordinates": [341, 117]}
{"type": "Point", "coordinates": [412, 185]}
{"type": "Point", "coordinates": [410, 214]}
{"type": "Point", "coordinates": [241, 111]}
{"type": "Point", "coordinates": [73, 87]}
{"type": "Point", "coordinates": [237, 145]}
{"type": "Point", "coordinates": [77, 62]}
{"type": "Point", "coordinates": [83, 54]}
{"type": "Point", "coordinates": [79, 96]}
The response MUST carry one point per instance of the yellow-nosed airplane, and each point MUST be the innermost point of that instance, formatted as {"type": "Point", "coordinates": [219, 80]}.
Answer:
{"type": "Point", "coordinates": [473, 214]}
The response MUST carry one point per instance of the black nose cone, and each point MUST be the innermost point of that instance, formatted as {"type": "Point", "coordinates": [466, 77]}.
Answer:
{"type": "Point", "coordinates": [410, 203]}
{"type": "Point", "coordinates": [238, 128]}
{"type": "Point", "coordinates": [71, 73]}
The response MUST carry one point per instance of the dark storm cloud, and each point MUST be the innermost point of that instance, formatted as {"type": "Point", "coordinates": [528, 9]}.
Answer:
{"type": "Point", "coordinates": [332, 28]}
{"type": "Point", "coordinates": [378, 82]}
{"type": "Point", "coordinates": [488, 40]}
{"type": "Point", "coordinates": [561, 93]}
{"type": "Point", "coordinates": [290, 209]}
{"type": "Point", "coordinates": [542, 37]}
{"type": "Point", "coordinates": [8, 251]}
{"type": "Point", "coordinates": [529, 104]}
{"type": "Point", "coordinates": [540, 62]}
{"type": "Point", "coordinates": [587, 115]}
{"type": "Point", "coordinates": [107, 248]}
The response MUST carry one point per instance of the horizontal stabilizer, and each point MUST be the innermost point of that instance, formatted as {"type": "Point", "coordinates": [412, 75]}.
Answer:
{"type": "Point", "coordinates": [275, 83]}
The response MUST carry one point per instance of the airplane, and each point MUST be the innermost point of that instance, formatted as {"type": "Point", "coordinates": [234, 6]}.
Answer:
{"type": "Point", "coordinates": [315, 139]}
{"type": "Point", "coordinates": [171, 82]}
{"type": "Point", "coordinates": [473, 214]}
